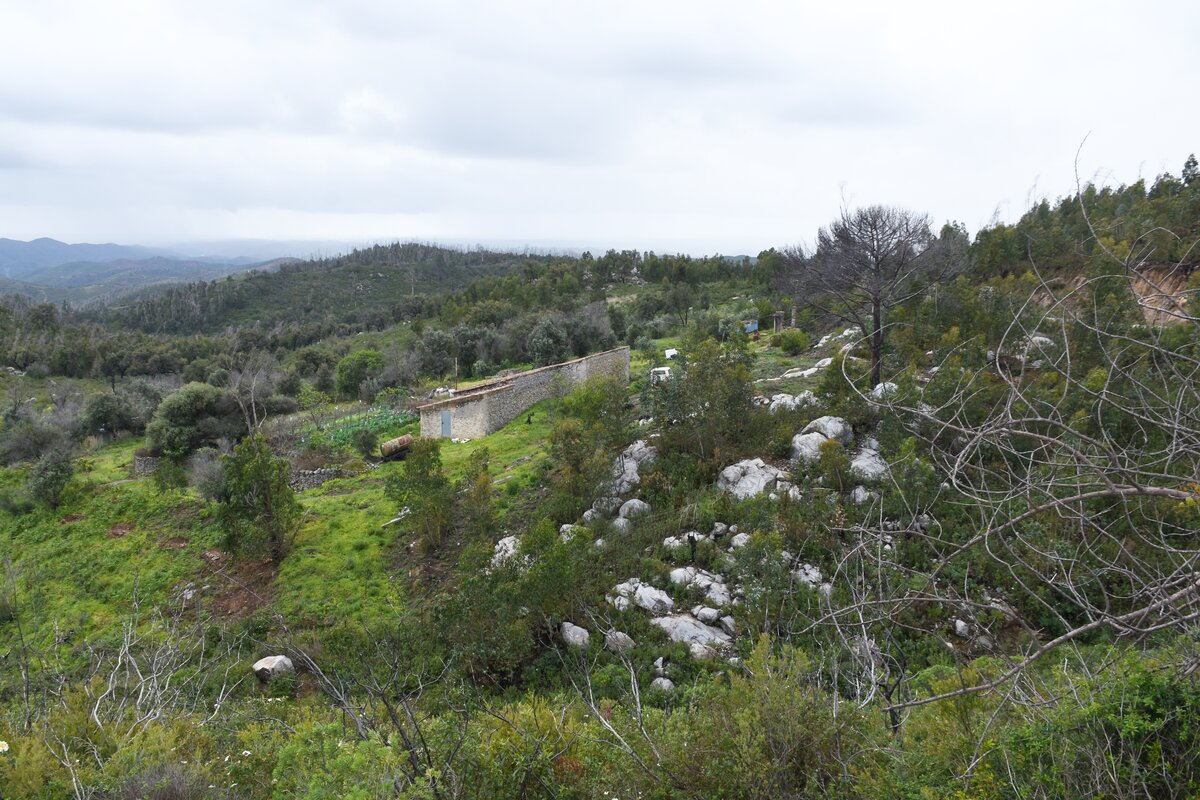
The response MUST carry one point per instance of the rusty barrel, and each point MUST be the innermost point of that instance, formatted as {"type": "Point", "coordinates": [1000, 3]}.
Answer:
{"type": "Point", "coordinates": [394, 448]}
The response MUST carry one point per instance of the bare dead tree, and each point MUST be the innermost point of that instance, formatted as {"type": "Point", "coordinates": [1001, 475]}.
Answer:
{"type": "Point", "coordinates": [251, 384]}
{"type": "Point", "coordinates": [869, 261]}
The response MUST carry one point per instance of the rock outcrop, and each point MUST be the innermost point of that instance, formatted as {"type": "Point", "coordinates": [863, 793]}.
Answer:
{"type": "Point", "coordinates": [642, 595]}
{"type": "Point", "coordinates": [749, 478]}
{"type": "Point", "coordinates": [625, 471]}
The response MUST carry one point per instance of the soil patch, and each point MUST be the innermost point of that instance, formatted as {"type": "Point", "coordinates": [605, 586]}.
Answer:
{"type": "Point", "coordinates": [119, 530]}
{"type": "Point", "coordinates": [176, 542]}
{"type": "Point", "coordinates": [69, 518]}
{"type": "Point", "coordinates": [246, 586]}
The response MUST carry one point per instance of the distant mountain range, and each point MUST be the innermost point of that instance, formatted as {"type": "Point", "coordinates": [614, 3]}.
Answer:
{"type": "Point", "coordinates": [54, 271]}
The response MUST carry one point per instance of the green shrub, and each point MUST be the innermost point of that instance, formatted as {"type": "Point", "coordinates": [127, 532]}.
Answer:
{"type": "Point", "coordinates": [261, 511]}
{"type": "Point", "coordinates": [364, 441]}
{"type": "Point", "coordinates": [49, 477]}
{"type": "Point", "coordinates": [354, 369]}
{"type": "Point", "coordinates": [792, 341]}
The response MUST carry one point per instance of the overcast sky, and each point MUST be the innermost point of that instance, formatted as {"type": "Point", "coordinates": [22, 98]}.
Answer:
{"type": "Point", "coordinates": [690, 126]}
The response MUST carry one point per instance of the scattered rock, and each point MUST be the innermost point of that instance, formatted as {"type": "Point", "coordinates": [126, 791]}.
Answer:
{"type": "Point", "coordinates": [660, 667]}
{"type": "Point", "coordinates": [618, 642]}
{"type": "Point", "coordinates": [713, 586]}
{"type": "Point", "coordinates": [860, 495]}
{"type": "Point", "coordinates": [272, 667]}
{"type": "Point", "coordinates": [574, 635]}
{"type": "Point", "coordinates": [830, 428]}
{"type": "Point", "coordinates": [808, 575]}
{"type": "Point", "coordinates": [643, 595]}
{"type": "Point", "coordinates": [782, 402]}
{"type": "Point", "coordinates": [634, 508]}
{"type": "Point", "coordinates": [868, 465]}
{"type": "Point", "coordinates": [606, 506]}
{"type": "Point", "coordinates": [706, 614]}
{"type": "Point", "coordinates": [686, 629]}
{"type": "Point", "coordinates": [961, 628]}
{"type": "Point", "coordinates": [625, 473]}
{"type": "Point", "coordinates": [728, 625]}
{"type": "Point", "coordinates": [748, 478]}
{"type": "Point", "coordinates": [662, 684]}
{"type": "Point", "coordinates": [807, 446]}
{"type": "Point", "coordinates": [739, 541]}
{"type": "Point", "coordinates": [622, 524]}
{"type": "Point", "coordinates": [882, 390]}
{"type": "Point", "coordinates": [786, 489]}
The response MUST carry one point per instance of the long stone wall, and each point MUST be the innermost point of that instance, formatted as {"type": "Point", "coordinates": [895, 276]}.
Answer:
{"type": "Point", "coordinates": [488, 407]}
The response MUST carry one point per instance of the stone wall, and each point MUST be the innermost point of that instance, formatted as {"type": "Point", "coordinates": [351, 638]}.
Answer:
{"type": "Point", "coordinates": [488, 407]}
{"type": "Point", "coordinates": [144, 465]}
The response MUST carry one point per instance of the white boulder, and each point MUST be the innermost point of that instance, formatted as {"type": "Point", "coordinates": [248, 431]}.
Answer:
{"type": "Point", "coordinates": [662, 684]}
{"type": "Point", "coordinates": [625, 474]}
{"type": "Point", "coordinates": [882, 390]}
{"type": "Point", "coordinates": [634, 508]}
{"type": "Point", "coordinates": [860, 495]}
{"type": "Point", "coordinates": [830, 428]}
{"type": "Point", "coordinates": [689, 630]}
{"type": "Point", "coordinates": [807, 446]}
{"type": "Point", "coordinates": [643, 595]}
{"type": "Point", "coordinates": [868, 465]}
{"type": "Point", "coordinates": [574, 635]}
{"type": "Point", "coordinates": [782, 402]}
{"type": "Point", "coordinates": [738, 541]}
{"type": "Point", "coordinates": [713, 585]}
{"type": "Point", "coordinates": [748, 478]}
{"type": "Point", "coordinates": [808, 575]}
{"type": "Point", "coordinates": [272, 667]}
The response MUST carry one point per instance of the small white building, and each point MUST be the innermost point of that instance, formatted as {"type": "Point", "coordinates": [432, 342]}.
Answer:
{"type": "Point", "coordinates": [671, 353]}
{"type": "Point", "coordinates": [659, 374]}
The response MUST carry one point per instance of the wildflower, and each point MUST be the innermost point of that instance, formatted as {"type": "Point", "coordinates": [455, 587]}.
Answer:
{"type": "Point", "coordinates": [3, 746]}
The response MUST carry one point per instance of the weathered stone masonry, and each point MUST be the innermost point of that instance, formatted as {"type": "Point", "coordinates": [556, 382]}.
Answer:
{"type": "Point", "coordinates": [486, 408]}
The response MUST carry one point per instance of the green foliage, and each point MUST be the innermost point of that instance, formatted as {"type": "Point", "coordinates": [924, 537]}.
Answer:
{"type": "Point", "coordinates": [707, 409]}
{"type": "Point", "coordinates": [196, 415]}
{"type": "Point", "coordinates": [260, 511]}
{"type": "Point", "coordinates": [354, 369]}
{"type": "Point", "coordinates": [547, 343]}
{"type": "Point", "coordinates": [792, 341]}
{"type": "Point", "coordinates": [364, 441]}
{"type": "Point", "coordinates": [49, 478]}
{"type": "Point", "coordinates": [424, 490]}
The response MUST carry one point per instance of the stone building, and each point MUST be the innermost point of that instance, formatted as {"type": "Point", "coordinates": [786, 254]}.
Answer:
{"type": "Point", "coordinates": [483, 409]}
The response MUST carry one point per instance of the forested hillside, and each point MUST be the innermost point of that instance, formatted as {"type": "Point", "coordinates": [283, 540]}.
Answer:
{"type": "Point", "coordinates": [936, 539]}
